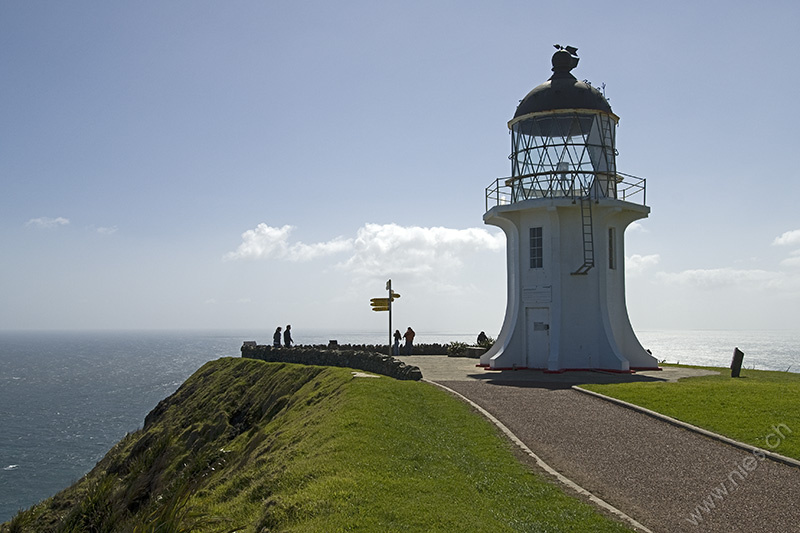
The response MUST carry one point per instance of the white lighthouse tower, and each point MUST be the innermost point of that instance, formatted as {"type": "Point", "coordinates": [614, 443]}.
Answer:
{"type": "Point", "coordinates": [564, 211]}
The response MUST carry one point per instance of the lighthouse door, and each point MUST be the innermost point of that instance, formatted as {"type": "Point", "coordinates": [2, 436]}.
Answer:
{"type": "Point", "coordinates": [538, 336]}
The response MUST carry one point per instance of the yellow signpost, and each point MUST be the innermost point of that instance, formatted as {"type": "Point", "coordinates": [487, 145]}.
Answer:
{"type": "Point", "coordinates": [380, 304]}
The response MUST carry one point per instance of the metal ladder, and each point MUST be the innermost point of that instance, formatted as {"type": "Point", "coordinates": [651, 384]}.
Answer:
{"type": "Point", "coordinates": [588, 236]}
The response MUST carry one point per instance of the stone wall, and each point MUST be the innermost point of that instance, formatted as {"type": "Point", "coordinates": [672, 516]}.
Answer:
{"type": "Point", "coordinates": [361, 360]}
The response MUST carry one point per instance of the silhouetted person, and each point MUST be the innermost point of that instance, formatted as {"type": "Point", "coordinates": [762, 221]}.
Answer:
{"type": "Point", "coordinates": [276, 338]}
{"type": "Point", "coordinates": [482, 338]}
{"type": "Point", "coordinates": [287, 336]}
{"type": "Point", "coordinates": [409, 337]}
{"type": "Point", "coordinates": [396, 347]}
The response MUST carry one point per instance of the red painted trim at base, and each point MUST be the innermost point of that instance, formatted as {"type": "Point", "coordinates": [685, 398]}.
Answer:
{"type": "Point", "coordinates": [633, 370]}
{"type": "Point", "coordinates": [562, 370]}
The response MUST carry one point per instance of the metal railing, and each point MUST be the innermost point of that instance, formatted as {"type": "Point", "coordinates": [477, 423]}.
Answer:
{"type": "Point", "coordinates": [625, 187]}
{"type": "Point", "coordinates": [634, 186]}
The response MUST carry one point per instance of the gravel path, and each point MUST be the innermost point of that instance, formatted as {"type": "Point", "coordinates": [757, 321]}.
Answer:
{"type": "Point", "coordinates": [668, 478]}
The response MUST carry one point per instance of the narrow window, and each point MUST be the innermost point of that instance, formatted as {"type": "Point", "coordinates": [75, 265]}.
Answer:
{"type": "Point", "coordinates": [537, 260]}
{"type": "Point", "coordinates": [612, 248]}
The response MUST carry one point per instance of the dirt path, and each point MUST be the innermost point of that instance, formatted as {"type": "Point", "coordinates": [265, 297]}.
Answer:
{"type": "Point", "coordinates": [668, 478]}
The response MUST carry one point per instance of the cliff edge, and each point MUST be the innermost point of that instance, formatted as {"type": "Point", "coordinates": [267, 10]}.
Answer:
{"type": "Point", "coordinates": [252, 446]}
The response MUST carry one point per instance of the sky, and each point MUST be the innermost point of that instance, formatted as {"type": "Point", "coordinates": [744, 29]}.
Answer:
{"type": "Point", "coordinates": [249, 164]}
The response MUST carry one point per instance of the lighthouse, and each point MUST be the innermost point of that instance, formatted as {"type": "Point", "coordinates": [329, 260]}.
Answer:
{"type": "Point", "coordinates": [564, 211]}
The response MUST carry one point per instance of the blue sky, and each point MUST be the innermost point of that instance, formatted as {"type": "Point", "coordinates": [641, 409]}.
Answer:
{"type": "Point", "coordinates": [197, 164]}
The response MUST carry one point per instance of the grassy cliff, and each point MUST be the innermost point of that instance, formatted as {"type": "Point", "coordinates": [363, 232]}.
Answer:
{"type": "Point", "coordinates": [251, 446]}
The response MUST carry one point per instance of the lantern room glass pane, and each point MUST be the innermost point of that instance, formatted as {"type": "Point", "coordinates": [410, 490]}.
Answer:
{"type": "Point", "coordinates": [569, 154]}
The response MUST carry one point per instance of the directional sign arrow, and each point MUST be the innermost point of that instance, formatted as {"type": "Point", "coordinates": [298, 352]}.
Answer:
{"type": "Point", "coordinates": [379, 301]}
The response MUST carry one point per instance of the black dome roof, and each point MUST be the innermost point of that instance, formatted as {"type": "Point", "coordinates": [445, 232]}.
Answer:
{"type": "Point", "coordinates": [562, 90]}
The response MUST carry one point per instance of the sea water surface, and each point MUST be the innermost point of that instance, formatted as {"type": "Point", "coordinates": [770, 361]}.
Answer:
{"type": "Point", "coordinates": [67, 397]}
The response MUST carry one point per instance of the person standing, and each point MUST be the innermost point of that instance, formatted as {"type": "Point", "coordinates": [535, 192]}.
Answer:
{"type": "Point", "coordinates": [396, 347]}
{"type": "Point", "coordinates": [287, 336]}
{"type": "Point", "coordinates": [409, 337]}
{"type": "Point", "coordinates": [276, 338]}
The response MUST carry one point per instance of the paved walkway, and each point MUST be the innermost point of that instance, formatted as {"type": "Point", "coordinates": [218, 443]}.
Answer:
{"type": "Point", "coordinates": [667, 478]}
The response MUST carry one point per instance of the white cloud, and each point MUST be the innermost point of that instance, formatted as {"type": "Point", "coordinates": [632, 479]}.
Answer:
{"type": "Point", "coordinates": [263, 241]}
{"type": "Point", "coordinates": [637, 227]}
{"type": "Point", "coordinates": [273, 243]}
{"type": "Point", "coordinates": [47, 222]}
{"type": "Point", "coordinates": [389, 248]}
{"type": "Point", "coordinates": [636, 264]}
{"type": "Point", "coordinates": [793, 261]}
{"type": "Point", "coordinates": [724, 277]}
{"type": "Point", "coordinates": [788, 238]}
{"type": "Point", "coordinates": [107, 231]}
{"type": "Point", "coordinates": [376, 249]}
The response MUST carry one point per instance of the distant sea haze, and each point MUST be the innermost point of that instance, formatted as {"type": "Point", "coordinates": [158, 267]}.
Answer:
{"type": "Point", "coordinates": [67, 397]}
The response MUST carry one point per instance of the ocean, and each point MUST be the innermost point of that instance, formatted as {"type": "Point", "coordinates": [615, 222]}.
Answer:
{"type": "Point", "coordinates": [67, 397]}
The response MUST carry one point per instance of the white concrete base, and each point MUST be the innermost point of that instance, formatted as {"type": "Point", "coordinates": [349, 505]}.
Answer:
{"type": "Point", "coordinates": [556, 320]}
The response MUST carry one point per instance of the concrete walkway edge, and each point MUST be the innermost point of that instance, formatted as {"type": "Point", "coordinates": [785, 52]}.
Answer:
{"type": "Point", "coordinates": [710, 434]}
{"type": "Point", "coordinates": [544, 466]}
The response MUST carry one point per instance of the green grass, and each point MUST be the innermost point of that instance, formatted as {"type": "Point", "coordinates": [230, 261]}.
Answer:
{"type": "Point", "coordinates": [412, 458]}
{"type": "Point", "coordinates": [761, 408]}
{"type": "Point", "coordinates": [257, 447]}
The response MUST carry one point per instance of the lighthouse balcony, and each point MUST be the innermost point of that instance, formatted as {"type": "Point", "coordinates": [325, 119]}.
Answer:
{"type": "Point", "coordinates": [576, 185]}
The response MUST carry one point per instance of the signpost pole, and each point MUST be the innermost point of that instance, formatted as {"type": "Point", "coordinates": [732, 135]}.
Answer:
{"type": "Point", "coordinates": [385, 304]}
{"type": "Point", "coordinates": [389, 288]}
